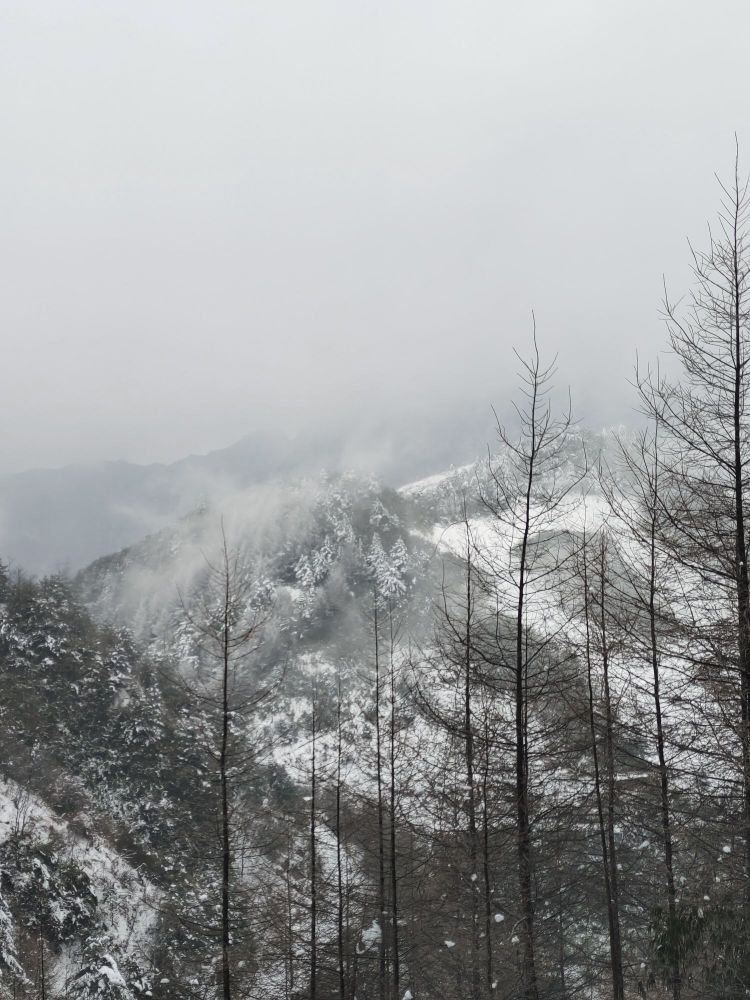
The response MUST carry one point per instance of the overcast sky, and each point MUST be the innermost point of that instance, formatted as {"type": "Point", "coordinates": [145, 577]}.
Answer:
{"type": "Point", "coordinates": [221, 215]}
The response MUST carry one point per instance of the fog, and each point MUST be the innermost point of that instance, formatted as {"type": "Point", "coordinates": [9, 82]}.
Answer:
{"type": "Point", "coordinates": [226, 217]}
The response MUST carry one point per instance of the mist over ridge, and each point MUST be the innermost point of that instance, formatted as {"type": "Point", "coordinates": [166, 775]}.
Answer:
{"type": "Point", "coordinates": [62, 519]}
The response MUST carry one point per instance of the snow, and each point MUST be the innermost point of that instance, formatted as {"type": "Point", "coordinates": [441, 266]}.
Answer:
{"type": "Point", "coordinates": [427, 485]}
{"type": "Point", "coordinates": [111, 972]}
{"type": "Point", "coordinates": [369, 938]}
{"type": "Point", "coordinates": [126, 900]}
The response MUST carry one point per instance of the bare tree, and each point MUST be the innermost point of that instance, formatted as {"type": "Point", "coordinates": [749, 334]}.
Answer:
{"type": "Point", "coordinates": [395, 956]}
{"type": "Point", "coordinates": [454, 659]}
{"type": "Point", "coordinates": [704, 456]}
{"type": "Point", "coordinates": [525, 497]}
{"type": "Point", "coordinates": [382, 905]}
{"type": "Point", "coordinates": [595, 597]}
{"type": "Point", "coordinates": [228, 623]}
{"type": "Point", "coordinates": [340, 903]}
{"type": "Point", "coordinates": [313, 849]}
{"type": "Point", "coordinates": [637, 504]}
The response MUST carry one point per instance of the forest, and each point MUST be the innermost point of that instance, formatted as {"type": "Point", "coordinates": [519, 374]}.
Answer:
{"type": "Point", "coordinates": [484, 736]}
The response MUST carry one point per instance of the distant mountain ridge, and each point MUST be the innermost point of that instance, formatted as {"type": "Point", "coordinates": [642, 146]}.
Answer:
{"type": "Point", "coordinates": [55, 520]}
{"type": "Point", "coordinates": [61, 519]}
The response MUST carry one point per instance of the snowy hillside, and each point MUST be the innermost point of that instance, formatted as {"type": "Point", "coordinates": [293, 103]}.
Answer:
{"type": "Point", "coordinates": [99, 913]}
{"type": "Point", "coordinates": [379, 631]}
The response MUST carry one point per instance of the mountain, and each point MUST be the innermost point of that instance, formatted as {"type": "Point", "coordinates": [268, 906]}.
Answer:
{"type": "Point", "coordinates": [52, 519]}
{"type": "Point", "coordinates": [381, 622]}
{"type": "Point", "coordinates": [105, 766]}
{"type": "Point", "coordinates": [63, 519]}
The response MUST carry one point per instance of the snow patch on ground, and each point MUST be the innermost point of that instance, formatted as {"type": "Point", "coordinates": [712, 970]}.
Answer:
{"type": "Point", "coordinates": [421, 486]}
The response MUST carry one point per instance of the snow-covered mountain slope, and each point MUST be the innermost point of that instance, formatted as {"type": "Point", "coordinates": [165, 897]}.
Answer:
{"type": "Point", "coordinates": [54, 520]}
{"type": "Point", "coordinates": [354, 581]}
{"type": "Point", "coordinates": [312, 542]}
{"type": "Point", "coordinates": [100, 912]}
{"type": "Point", "coordinates": [317, 546]}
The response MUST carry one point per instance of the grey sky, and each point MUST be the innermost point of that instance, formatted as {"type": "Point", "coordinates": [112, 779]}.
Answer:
{"type": "Point", "coordinates": [218, 215]}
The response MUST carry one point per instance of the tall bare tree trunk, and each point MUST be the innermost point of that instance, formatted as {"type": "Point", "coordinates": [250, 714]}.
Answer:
{"type": "Point", "coordinates": [313, 859]}
{"type": "Point", "coordinates": [560, 925]}
{"type": "Point", "coordinates": [609, 743]}
{"type": "Point", "coordinates": [525, 488]}
{"type": "Point", "coordinates": [42, 973]}
{"type": "Point", "coordinates": [743, 585]}
{"type": "Point", "coordinates": [486, 862]}
{"type": "Point", "coordinates": [705, 420]}
{"type": "Point", "coordinates": [339, 867]}
{"type": "Point", "coordinates": [607, 842]}
{"type": "Point", "coordinates": [382, 953]}
{"type": "Point", "coordinates": [396, 958]}
{"type": "Point", "coordinates": [666, 822]}
{"type": "Point", "coordinates": [290, 923]}
{"type": "Point", "coordinates": [226, 858]}
{"type": "Point", "coordinates": [468, 727]}
{"type": "Point", "coordinates": [531, 990]}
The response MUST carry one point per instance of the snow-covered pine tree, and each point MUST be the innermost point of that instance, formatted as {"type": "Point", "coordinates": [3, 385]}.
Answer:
{"type": "Point", "coordinates": [100, 980]}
